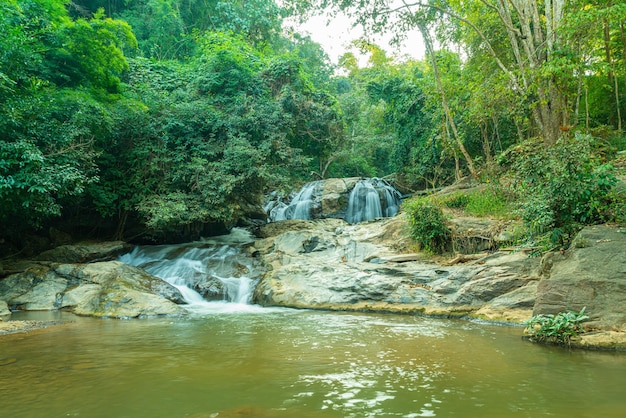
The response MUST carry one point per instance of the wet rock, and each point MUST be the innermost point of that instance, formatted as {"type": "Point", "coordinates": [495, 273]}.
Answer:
{"type": "Point", "coordinates": [210, 289]}
{"type": "Point", "coordinates": [4, 310]}
{"type": "Point", "coordinates": [104, 289]}
{"type": "Point", "coordinates": [338, 273]}
{"type": "Point", "coordinates": [601, 340]}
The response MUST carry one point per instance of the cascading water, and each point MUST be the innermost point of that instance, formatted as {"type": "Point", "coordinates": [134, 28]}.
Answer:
{"type": "Point", "coordinates": [364, 203]}
{"type": "Point", "coordinates": [371, 199]}
{"type": "Point", "coordinates": [299, 207]}
{"type": "Point", "coordinates": [209, 270]}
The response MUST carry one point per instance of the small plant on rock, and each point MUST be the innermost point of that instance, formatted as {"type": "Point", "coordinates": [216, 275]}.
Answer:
{"type": "Point", "coordinates": [559, 328]}
{"type": "Point", "coordinates": [428, 225]}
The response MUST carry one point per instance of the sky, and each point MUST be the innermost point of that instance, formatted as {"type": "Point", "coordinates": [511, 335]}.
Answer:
{"type": "Point", "coordinates": [336, 37]}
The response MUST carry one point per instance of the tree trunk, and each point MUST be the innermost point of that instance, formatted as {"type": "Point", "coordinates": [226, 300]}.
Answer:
{"type": "Point", "coordinates": [444, 102]}
{"type": "Point", "coordinates": [609, 63]}
{"type": "Point", "coordinates": [531, 48]}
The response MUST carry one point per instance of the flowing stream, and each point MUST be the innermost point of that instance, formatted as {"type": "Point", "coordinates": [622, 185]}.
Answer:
{"type": "Point", "coordinates": [228, 358]}
{"type": "Point", "coordinates": [214, 274]}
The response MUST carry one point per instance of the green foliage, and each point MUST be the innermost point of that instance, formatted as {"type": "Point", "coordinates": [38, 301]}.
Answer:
{"type": "Point", "coordinates": [212, 134]}
{"type": "Point", "coordinates": [166, 29]}
{"type": "Point", "coordinates": [226, 66]}
{"type": "Point", "coordinates": [458, 200]}
{"type": "Point", "coordinates": [559, 328]}
{"type": "Point", "coordinates": [489, 202]}
{"type": "Point", "coordinates": [45, 154]}
{"type": "Point", "coordinates": [561, 187]}
{"type": "Point", "coordinates": [90, 52]}
{"type": "Point", "coordinates": [428, 225]}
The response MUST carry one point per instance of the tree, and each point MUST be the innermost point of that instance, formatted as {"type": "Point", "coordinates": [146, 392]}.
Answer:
{"type": "Point", "coordinates": [52, 105]}
{"type": "Point", "coordinates": [537, 60]}
{"type": "Point", "coordinates": [166, 28]}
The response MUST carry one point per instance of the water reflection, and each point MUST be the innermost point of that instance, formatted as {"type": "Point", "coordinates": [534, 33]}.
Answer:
{"type": "Point", "coordinates": [287, 363]}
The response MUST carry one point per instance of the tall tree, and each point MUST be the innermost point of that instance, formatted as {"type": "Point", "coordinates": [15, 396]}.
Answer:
{"type": "Point", "coordinates": [537, 60]}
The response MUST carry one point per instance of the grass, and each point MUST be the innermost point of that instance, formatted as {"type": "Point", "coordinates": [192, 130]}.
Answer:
{"type": "Point", "coordinates": [482, 202]}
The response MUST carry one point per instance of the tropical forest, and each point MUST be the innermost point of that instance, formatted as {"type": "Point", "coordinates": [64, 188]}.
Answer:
{"type": "Point", "coordinates": [169, 119]}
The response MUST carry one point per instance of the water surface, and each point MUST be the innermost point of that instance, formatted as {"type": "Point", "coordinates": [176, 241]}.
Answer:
{"type": "Point", "coordinates": [230, 360]}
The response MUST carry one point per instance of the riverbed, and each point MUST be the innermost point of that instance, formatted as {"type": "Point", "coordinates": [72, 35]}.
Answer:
{"type": "Point", "coordinates": [232, 360]}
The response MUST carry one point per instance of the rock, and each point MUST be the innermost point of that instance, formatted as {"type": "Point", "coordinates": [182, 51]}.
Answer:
{"type": "Point", "coordinates": [590, 274]}
{"type": "Point", "coordinates": [210, 289]}
{"type": "Point", "coordinates": [34, 289]}
{"type": "Point", "coordinates": [274, 229]}
{"type": "Point", "coordinates": [103, 289]}
{"type": "Point", "coordinates": [601, 340]}
{"type": "Point", "coordinates": [324, 267]}
{"type": "Point", "coordinates": [85, 253]}
{"type": "Point", "coordinates": [4, 309]}
{"type": "Point", "coordinates": [515, 306]}
{"type": "Point", "coordinates": [335, 195]}
{"type": "Point", "coordinates": [403, 258]}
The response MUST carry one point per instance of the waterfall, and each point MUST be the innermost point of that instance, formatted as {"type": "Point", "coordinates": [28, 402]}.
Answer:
{"type": "Point", "coordinates": [364, 203]}
{"type": "Point", "coordinates": [209, 270]}
{"type": "Point", "coordinates": [299, 207]}
{"type": "Point", "coordinates": [371, 199]}
{"type": "Point", "coordinates": [368, 199]}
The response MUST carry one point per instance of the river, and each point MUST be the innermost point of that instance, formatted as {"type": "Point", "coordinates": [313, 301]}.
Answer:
{"type": "Point", "coordinates": [233, 360]}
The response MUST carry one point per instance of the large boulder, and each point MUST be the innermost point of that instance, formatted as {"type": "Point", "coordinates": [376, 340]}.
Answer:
{"type": "Point", "coordinates": [590, 274]}
{"type": "Point", "coordinates": [332, 265]}
{"type": "Point", "coordinates": [4, 309]}
{"type": "Point", "coordinates": [102, 289]}
{"type": "Point", "coordinates": [334, 197]}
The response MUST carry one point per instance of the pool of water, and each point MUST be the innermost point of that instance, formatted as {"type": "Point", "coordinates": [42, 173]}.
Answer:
{"type": "Point", "coordinates": [227, 360]}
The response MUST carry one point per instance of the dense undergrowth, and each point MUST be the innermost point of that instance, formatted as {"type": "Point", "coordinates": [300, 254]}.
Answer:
{"type": "Point", "coordinates": [553, 192]}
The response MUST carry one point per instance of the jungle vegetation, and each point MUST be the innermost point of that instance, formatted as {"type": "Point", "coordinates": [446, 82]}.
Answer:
{"type": "Point", "coordinates": [166, 119]}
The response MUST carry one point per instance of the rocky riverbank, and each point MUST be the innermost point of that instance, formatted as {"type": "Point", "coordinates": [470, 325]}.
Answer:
{"type": "Point", "coordinates": [14, 327]}
{"type": "Point", "coordinates": [330, 264]}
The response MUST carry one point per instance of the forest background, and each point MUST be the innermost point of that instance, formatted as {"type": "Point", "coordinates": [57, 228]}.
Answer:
{"type": "Point", "coordinates": [166, 120]}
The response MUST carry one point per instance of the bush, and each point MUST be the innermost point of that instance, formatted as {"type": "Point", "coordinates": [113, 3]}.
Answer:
{"type": "Point", "coordinates": [561, 187]}
{"type": "Point", "coordinates": [559, 328]}
{"type": "Point", "coordinates": [488, 202]}
{"type": "Point", "coordinates": [458, 200]}
{"type": "Point", "coordinates": [428, 225]}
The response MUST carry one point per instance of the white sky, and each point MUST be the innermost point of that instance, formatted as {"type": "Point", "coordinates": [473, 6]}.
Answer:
{"type": "Point", "coordinates": [336, 37]}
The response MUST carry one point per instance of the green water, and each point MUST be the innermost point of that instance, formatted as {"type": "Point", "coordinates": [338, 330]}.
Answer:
{"type": "Point", "coordinates": [286, 363]}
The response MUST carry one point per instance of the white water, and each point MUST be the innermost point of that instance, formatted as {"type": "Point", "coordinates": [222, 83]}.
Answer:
{"type": "Point", "coordinates": [371, 199]}
{"type": "Point", "coordinates": [299, 207]}
{"type": "Point", "coordinates": [216, 267]}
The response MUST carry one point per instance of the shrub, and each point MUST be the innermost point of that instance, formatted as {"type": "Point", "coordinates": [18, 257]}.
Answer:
{"type": "Point", "coordinates": [561, 187]}
{"type": "Point", "coordinates": [457, 200]}
{"type": "Point", "coordinates": [559, 328]}
{"type": "Point", "coordinates": [428, 225]}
